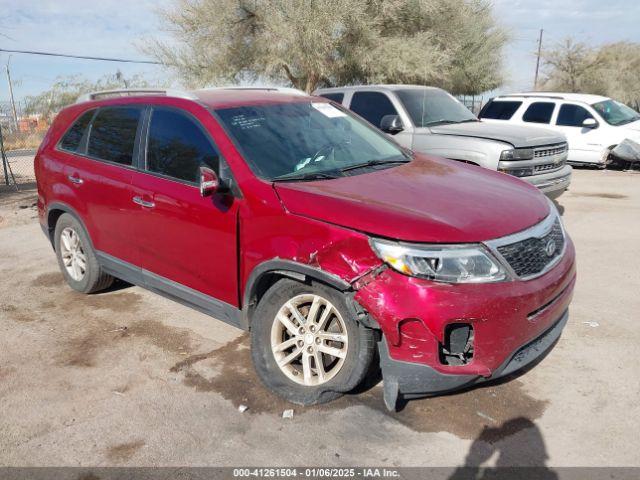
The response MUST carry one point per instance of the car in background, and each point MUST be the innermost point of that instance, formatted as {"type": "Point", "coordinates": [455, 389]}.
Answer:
{"type": "Point", "coordinates": [430, 120]}
{"type": "Point", "coordinates": [599, 130]}
{"type": "Point", "coordinates": [289, 217]}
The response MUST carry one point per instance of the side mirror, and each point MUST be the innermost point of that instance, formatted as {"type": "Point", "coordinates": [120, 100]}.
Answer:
{"type": "Point", "coordinates": [209, 183]}
{"type": "Point", "coordinates": [590, 123]}
{"type": "Point", "coordinates": [391, 124]}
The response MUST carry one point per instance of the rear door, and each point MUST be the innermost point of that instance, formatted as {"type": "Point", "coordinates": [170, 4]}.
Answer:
{"type": "Point", "coordinates": [99, 173]}
{"type": "Point", "coordinates": [188, 244]}
{"type": "Point", "coordinates": [539, 113]}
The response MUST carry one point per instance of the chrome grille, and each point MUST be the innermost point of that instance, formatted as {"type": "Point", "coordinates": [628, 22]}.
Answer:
{"type": "Point", "coordinates": [550, 151]}
{"type": "Point", "coordinates": [547, 167]}
{"type": "Point", "coordinates": [531, 256]}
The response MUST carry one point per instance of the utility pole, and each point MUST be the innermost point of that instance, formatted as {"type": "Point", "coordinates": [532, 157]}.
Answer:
{"type": "Point", "coordinates": [535, 81]}
{"type": "Point", "coordinates": [13, 102]}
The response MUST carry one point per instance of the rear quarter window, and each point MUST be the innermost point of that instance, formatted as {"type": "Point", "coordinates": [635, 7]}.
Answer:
{"type": "Point", "coordinates": [71, 140]}
{"type": "Point", "coordinates": [500, 110]}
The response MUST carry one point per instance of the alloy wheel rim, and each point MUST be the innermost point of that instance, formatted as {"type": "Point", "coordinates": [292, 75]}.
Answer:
{"type": "Point", "coordinates": [73, 255]}
{"type": "Point", "coordinates": [309, 340]}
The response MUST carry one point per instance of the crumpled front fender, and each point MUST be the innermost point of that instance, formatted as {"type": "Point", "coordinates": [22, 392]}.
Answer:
{"type": "Point", "coordinates": [627, 150]}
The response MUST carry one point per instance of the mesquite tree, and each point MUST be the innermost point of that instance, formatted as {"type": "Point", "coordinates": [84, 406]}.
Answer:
{"type": "Point", "coordinates": [314, 43]}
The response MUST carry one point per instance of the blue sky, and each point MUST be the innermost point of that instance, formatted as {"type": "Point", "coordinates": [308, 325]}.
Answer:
{"type": "Point", "coordinates": [112, 28]}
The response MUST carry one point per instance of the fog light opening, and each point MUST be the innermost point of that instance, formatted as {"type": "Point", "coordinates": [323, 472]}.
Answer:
{"type": "Point", "coordinates": [458, 344]}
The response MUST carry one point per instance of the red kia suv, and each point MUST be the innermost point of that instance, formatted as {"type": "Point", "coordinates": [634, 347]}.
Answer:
{"type": "Point", "coordinates": [292, 218]}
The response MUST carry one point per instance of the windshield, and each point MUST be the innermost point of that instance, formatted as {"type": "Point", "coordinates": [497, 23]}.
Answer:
{"type": "Point", "coordinates": [430, 107]}
{"type": "Point", "coordinates": [312, 139]}
{"type": "Point", "coordinates": [616, 113]}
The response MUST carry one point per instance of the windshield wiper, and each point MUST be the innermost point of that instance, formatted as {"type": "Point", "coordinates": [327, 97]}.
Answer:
{"type": "Point", "coordinates": [446, 122]}
{"type": "Point", "coordinates": [372, 163]}
{"type": "Point", "coordinates": [442, 121]}
{"type": "Point", "coordinates": [296, 177]}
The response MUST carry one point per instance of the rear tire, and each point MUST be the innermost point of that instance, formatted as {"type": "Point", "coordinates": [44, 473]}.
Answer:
{"type": "Point", "coordinates": [76, 257]}
{"type": "Point", "coordinates": [305, 345]}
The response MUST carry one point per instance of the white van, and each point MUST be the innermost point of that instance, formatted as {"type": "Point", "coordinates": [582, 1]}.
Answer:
{"type": "Point", "coordinates": [599, 130]}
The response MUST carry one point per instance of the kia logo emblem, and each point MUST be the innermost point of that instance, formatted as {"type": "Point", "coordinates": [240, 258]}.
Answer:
{"type": "Point", "coordinates": [550, 248]}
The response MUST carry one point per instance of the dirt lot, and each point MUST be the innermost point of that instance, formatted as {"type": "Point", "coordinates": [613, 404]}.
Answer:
{"type": "Point", "coordinates": [129, 378]}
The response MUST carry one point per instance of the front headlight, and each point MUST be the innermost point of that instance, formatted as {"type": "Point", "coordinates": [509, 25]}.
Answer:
{"type": "Point", "coordinates": [442, 263]}
{"type": "Point", "coordinates": [517, 154]}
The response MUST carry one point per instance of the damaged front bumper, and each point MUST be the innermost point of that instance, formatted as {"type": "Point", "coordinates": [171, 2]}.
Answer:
{"type": "Point", "coordinates": [416, 317]}
{"type": "Point", "coordinates": [411, 380]}
{"type": "Point", "coordinates": [627, 151]}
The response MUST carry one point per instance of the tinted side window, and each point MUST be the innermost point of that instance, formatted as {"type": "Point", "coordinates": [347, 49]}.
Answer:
{"type": "Point", "coordinates": [71, 139]}
{"type": "Point", "coordinates": [539, 112]}
{"type": "Point", "coordinates": [499, 110]}
{"type": "Point", "coordinates": [113, 134]}
{"type": "Point", "coordinates": [372, 106]}
{"type": "Point", "coordinates": [336, 97]}
{"type": "Point", "coordinates": [572, 115]}
{"type": "Point", "coordinates": [177, 146]}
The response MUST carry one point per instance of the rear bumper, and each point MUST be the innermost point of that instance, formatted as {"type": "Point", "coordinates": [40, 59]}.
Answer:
{"type": "Point", "coordinates": [412, 380]}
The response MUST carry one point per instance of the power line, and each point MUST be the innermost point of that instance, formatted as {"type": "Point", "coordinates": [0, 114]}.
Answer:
{"type": "Point", "coordinates": [81, 57]}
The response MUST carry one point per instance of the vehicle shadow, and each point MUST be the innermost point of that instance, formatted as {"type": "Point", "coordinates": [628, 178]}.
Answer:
{"type": "Point", "coordinates": [517, 443]}
{"type": "Point", "coordinates": [116, 286]}
{"type": "Point", "coordinates": [558, 206]}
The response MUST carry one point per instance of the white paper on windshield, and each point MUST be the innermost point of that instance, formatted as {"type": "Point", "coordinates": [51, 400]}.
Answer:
{"type": "Point", "coordinates": [328, 110]}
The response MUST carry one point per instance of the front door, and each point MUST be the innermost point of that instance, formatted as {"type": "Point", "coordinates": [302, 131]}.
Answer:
{"type": "Point", "coordinates": [585, 144]}
{"type": "Point", "coordinates": [187, 243]}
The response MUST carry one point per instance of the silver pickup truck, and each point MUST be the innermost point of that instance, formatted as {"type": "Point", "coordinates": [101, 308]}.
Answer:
{"type": "Point", "coordinates": [430, 120]}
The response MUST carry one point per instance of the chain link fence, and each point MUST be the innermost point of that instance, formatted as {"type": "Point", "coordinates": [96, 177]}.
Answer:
{"type": "Point", "coordinates": [472, 102]}
{"type": "Point", "coordinates": [20, 136]}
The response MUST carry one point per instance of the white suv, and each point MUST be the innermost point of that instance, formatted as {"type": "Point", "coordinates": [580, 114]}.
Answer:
{"type": "Point", "coordinates": [599, 130]}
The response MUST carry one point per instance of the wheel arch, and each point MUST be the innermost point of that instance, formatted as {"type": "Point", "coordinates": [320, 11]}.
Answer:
{"type": "Point", "coordinates": [266, 274]}
{"type": "Point", "coordinates": [54, 211]}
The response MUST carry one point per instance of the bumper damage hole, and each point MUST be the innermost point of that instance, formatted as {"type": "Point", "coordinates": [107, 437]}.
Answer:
{"type": "Point", "coordinates": [458, 344]}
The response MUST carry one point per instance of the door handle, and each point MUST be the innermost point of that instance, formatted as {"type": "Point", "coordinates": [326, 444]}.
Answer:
{"type": "Point", "coordinates": [143, 203]}
{"type": "Point", "coordinates": [76, 180]}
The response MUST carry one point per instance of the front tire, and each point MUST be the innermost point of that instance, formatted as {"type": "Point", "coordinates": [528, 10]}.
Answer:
{"type": "Point", "coordinates": [76, 258]}
{"type": "Point", "coordinates": [305, 345]}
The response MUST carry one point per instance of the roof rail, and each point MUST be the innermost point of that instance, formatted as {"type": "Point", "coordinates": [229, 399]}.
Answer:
{"type": "Point", "coordinates": [532, 95]}
{"type": "Point", "coordinates": [130, 92]}
{"type": "Point", "coordinates": [290, 90]}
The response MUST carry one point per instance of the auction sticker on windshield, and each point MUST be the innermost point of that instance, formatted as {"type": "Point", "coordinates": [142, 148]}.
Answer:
{"type": "Point", "coordinates": [328, 110]}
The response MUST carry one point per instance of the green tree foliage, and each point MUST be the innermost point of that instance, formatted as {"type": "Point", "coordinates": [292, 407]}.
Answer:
{"type": "Point", "coordinates": [314, 43]}
{"type": "Point", "coordinates": [65, 91]}
{"type": "Point", "coordinates": [612, 69]}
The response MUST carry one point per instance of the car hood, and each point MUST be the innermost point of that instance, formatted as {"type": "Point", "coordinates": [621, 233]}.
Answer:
{"type": "Point", "coordinates": [520, 136]}
{"type": "Point", "coordinates": [633, 127]}
{"type": "Point", "coordinates": [426, 200]}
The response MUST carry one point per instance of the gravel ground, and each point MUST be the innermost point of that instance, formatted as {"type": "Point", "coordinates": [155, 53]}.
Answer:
{"type": "Point", "coordinates": [129, 378]}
